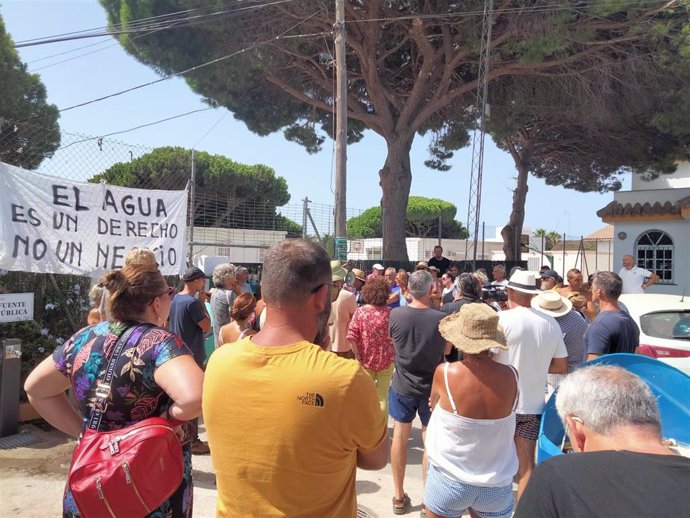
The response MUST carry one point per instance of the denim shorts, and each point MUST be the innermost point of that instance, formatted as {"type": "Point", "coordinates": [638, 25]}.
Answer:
{"type": "Point", "coordinates": [447, 497]}
{"type": "Point", "coordinates": [403, 409]}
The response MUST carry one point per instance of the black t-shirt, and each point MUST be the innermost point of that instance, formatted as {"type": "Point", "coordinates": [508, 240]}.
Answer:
{"type": "Point", "coordinates": [442, 264]}
{"type": "Point", "coordinates": [454, 307]}
{"type": "Point", "coordinates": [612, 332]}
{"type": "Point", "coordinates": [185, 315]}
{"type": "Point", "coordinates": [419, 349]}
{"type": "Point", "coordinates": [608, 484]}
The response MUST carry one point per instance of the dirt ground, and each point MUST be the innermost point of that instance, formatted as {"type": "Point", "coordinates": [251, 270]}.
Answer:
{"type": "Point", "coordinates": [32, 479]}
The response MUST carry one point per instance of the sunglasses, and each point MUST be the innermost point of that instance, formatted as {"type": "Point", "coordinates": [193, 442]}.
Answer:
{"type": "Point", "coordinates": [334, 290]}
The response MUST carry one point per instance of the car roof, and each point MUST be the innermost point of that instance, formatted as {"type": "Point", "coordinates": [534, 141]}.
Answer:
{"type": "Point", "coordinates": [643, 303]}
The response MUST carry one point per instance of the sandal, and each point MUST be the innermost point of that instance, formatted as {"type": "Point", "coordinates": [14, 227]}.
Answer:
{"type": "Point", "coordinates": [401, 505]}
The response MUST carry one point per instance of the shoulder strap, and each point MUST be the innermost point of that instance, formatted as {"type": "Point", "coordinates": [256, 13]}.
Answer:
{"type": "Point", "coordinates": [517, 386]}
{"type": "Point", "coordinates": [450, 395]}
{"type": "Point", "coordinates": [103, 386]}
{"type": "Point", "coordinates": [227, 296]}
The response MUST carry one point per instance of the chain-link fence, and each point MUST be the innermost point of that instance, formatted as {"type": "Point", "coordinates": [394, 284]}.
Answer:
{"type": "Point", "coordinates": [237, 211]}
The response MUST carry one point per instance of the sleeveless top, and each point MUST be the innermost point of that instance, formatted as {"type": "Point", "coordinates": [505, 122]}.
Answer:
{"type": "Point", "coordinates": [479, 452]}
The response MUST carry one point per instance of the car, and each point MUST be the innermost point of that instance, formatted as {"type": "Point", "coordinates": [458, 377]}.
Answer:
{"type": "Point", "coordinates": [664, 322]}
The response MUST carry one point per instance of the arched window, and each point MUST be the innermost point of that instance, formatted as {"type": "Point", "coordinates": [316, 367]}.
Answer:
{"type": "Point", "coordinates": [654, 252]}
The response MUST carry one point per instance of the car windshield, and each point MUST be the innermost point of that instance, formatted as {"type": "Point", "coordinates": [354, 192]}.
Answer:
{"type": "Point", "coordinates": [667, 324]}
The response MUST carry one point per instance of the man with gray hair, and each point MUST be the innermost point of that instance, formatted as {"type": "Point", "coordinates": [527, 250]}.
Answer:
{"type": "Point", "coordinates": [242, 275]}
{"type": "Point", "coordinates": [499, 273]}
{"type": "Point", "coordinates": [288, 422]}
{"type": "Point", "coordinates": [614, 330]}
{"type": "Point", "coordinates": [612, 417]}
{"type": "Point", "coordinates": [419, 349]}
{"type": "Point", "coordinates": [226, 290]}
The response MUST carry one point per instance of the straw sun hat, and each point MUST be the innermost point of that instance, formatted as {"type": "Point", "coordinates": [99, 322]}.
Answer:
{"type": "Point", "coordinates": [473, 329]}
{"type": "Point", "coordinates": [552, 303]}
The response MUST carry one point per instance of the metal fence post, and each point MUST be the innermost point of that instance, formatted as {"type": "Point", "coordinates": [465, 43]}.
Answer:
{"type": "Point", "coordinates": [192, 194]}
{"type": "Point", "coordinates": [10, 369]}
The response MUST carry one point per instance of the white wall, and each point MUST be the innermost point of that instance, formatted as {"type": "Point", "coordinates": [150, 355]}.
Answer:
{"type": "Point", "coordinates": [651, 196]}
{"type": "Point", "coordinates": [420, 249]}
{"type": "Point", "coordinates": [238, 245]}
{"type": "Point", "coordinates": [679, 179]}
{"type": "Point", "coordinates": [595, 262]}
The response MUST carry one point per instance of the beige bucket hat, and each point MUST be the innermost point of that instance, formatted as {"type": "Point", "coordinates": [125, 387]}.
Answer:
{"type": "Point", "coordinates": [473, 329]}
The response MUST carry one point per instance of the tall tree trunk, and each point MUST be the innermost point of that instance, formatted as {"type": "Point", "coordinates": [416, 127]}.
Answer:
{"type": "Point", "coordinates": [395, 181]}
{"type": "Point", "coordinates": [513, 230]}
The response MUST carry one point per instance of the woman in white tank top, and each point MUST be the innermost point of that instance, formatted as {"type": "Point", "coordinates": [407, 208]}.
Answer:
{"type": "Point", "coordinates": [469, 440]}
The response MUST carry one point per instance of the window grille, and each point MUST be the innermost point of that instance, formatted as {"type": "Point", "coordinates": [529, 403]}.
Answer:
{"type": "Point", "coordinates": [654, 252]}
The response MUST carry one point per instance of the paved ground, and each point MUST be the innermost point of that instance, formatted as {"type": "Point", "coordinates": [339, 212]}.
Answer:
{"type": "Point", "coordinates": [32, 479]}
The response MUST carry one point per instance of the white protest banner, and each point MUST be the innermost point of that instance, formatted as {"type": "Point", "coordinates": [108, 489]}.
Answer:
{"type": "Point", "coordinates": [51, 225]}
{"type": "Point", "coordinates": [16, 307]}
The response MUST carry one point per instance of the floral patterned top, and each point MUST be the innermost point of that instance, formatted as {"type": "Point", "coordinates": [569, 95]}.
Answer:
{"type": "Point", "coordinates": [369, 330]}
{"type": "Point", "coordinates": [134, 396]}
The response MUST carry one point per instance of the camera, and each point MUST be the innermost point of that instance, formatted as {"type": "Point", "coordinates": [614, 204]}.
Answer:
{"type": "Point", "coordinates": [494, 293]}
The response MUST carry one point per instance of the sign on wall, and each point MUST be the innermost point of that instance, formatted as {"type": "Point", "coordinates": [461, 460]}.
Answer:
{"type": "Point", "coordinates": [16, 307]}
{"type": "Point", "coordinates": [51, 225]}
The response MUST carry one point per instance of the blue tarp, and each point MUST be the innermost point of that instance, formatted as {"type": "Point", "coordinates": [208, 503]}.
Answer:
{"type": "Point", "coordinates": [668, 384]}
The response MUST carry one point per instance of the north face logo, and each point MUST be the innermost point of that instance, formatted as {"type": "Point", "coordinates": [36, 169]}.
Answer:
{"type": "Point", "coordinates": [311, 399]}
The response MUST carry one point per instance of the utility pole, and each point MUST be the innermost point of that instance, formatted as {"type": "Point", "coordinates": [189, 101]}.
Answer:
{"type": "Point", "coordinates": [475, 199]}
{"type": "Point", "coordinates": [340, 132]}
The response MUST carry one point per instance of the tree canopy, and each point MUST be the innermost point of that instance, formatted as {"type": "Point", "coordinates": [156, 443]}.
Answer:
{"type": "Point", "coordinates": [29, 130]}
{"type": "Point", "coordinates": [582, 133]}
{"type": "Point", "coordinates": [412, 66]}
{"type": "Point", "coordinates": [228, 194]}
{"type": "Point", "coordinates": [550, 238]}
{"type": "Point", "coordinates": [422, 220]}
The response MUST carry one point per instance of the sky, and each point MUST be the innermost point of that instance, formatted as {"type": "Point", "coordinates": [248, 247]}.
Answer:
{"type": "Point", "coordinates": [110, 69]}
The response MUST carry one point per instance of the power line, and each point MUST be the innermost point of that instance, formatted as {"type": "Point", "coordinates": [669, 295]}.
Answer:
{"type": "Point", "coordinates": [134, 23]}
{"type": "Point", "coordinates": [136, 127]}
{"type": "Point", "coordinates": [198, 67]}
{"type": "Point", "coordinates": [189, 22]}
{"type": "Point", "coordinates": [116, 44]}
{"type": "Point", "coordinates": [508, 10]}
{"type": "Point", "coordinates": [210, 129]}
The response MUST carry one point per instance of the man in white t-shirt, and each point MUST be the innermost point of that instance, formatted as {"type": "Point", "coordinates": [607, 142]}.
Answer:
{"type": "Point", "coordinates": [535, 349]}
{"type": "Point", "coordinates": [499, 273]}
{"type": "Point", "coordinates": [634, 277]}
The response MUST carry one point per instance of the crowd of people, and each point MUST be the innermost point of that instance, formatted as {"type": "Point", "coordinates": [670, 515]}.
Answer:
{"type": "Point", "coordinates": [299, 390]}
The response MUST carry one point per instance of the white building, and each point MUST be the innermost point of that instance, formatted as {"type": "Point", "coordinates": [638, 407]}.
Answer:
{"type": "Point", "coordinates": [421, 249]}
{"type": "Point", "coordinates": [652, 223]}
{"type": "Point", "coordinates": [593, 253]}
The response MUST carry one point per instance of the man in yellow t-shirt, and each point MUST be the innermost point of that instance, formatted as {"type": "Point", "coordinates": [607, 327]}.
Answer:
{"type": "Point", "coordinates": [288, 423]}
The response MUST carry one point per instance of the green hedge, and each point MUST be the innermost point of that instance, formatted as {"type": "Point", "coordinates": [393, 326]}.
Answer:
{"type": "Point", "coordinates": [61, 305]}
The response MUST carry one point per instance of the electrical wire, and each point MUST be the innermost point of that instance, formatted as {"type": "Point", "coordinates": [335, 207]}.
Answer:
{"type": "Point", "coordinates": [507, 10]}
{"type": "Point", "coordinates": [210, 129]}
{"type": "Point", "coordinates": [198, 67]}
{"type": "Point", "coordinates": [189, 22]}
{"type": "Point", "coordinates": [134, 23]}
{"type": "Point", "coordinates": [136, 127]}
